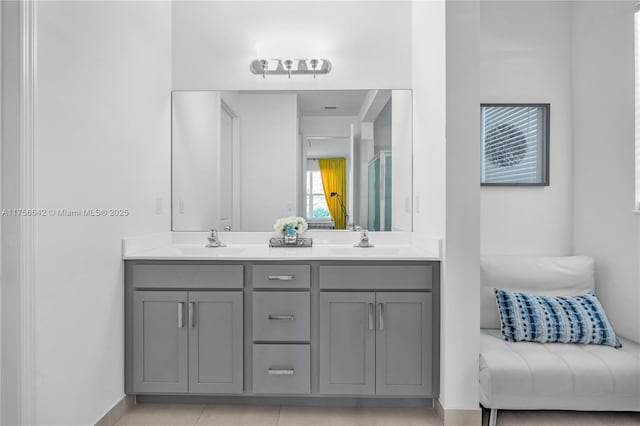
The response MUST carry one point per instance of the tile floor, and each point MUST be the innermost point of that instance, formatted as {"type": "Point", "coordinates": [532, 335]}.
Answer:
{"type": "Point", "coordinates": [227, 415]}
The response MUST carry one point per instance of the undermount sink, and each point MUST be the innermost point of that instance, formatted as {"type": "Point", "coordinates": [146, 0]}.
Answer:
{"type": "Point", "coordinates": [363, 251]}
{"type": "Point", "coordinates": [211, 251]}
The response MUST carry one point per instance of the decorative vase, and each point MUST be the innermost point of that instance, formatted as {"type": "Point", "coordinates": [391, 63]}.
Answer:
{"type": "Point", "coordinates": [290, 238]}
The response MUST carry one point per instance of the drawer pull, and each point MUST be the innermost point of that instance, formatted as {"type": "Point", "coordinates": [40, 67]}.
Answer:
{"type": "Point", "coordinates": [281, 372]}
{"type": "Point", "coordinates": [281, 277]}
{"type": "Point", "coordinates": [282, 317]}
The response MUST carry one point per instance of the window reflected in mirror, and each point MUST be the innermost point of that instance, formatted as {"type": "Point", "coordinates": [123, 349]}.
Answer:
{"type": "Point", "coordinates": [316, 204]}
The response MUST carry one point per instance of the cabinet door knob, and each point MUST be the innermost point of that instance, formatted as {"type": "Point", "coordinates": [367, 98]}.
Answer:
{"type": "Point", "coordinates": [371, 315]}
{"type": "Point", "coordinates": [381, 305]}
{"type": "Point", "coordinates": [281, 371]}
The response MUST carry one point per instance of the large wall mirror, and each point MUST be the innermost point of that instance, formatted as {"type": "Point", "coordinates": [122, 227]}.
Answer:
{"type": "Point", "coordinates": [339, 158]}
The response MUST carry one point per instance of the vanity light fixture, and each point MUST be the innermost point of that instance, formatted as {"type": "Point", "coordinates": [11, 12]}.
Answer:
{"type": "Point", "coordinates": [290, 67]}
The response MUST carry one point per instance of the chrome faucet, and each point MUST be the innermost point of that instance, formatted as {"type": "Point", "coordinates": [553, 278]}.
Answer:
{"type": "Point", "coordinates": [213, 240]}
{"type": "Point", "coordinates": [364, 238]}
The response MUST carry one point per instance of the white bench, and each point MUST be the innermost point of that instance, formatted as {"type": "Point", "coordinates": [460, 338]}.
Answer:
{"type": "Point", "coordinates": [554, 376]}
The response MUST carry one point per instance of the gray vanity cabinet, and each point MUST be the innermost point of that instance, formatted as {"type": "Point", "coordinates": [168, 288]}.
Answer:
{"type": "Point", "coordinates": [375, 343]}
{"type": "Point", "coordinates": [188, 342]}
{"type": "Point", "coordinates": [347, 343]}
{"type": "Point", "coordinates": [215, 342]}
{"type": "Point", "coordinates": [403, 343]}
{"type": "Point", "coordinates": [284, 332]}
{"type": "Point", "coordinates": [160, 341]}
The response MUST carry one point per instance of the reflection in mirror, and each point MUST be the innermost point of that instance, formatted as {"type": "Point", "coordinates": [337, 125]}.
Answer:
{"type": "Point", "coordinates": [339, 158]}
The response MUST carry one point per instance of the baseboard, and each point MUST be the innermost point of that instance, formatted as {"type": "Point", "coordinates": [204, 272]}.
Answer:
{"type": "Point", "coordinates": [471, 417]}
{"type": "Point", "coordinates": [439, 410]}
{"type": "Point", "coordinates": [308, 401]}
{"type": "Point", "coordinates": [114, 414]}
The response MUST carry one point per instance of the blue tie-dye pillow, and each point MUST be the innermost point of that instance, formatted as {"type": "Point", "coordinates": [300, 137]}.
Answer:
{"type": "Point", "coordinates": [546, 319]}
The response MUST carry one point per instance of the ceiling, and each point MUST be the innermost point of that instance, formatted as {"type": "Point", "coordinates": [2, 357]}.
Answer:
{"type": "Point", "coordinates": [348, 102]}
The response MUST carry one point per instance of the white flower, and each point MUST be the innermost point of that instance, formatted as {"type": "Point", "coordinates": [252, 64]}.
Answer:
{"type": "Point", "coordinates": [302, 225]}
{"type": "Point", "coordinates": [298, 223]}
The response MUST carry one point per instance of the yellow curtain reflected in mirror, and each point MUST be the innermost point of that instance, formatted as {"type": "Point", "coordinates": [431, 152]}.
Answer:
{"type": "Point", "coordinates": [334, 179]}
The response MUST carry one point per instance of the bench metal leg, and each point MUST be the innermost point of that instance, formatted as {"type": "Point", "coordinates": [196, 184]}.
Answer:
{"type": "Point", "coordinates": [493, 417]}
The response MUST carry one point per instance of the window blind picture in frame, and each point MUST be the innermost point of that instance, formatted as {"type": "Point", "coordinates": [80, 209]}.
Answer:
{"type": "Point", "coordinates": [514, 144]}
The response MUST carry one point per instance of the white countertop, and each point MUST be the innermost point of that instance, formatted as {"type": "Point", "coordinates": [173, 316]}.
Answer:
{"type": "Point", "coordinates": [263, 252]}
{"type": "Point", "coordinates": [254, 247]}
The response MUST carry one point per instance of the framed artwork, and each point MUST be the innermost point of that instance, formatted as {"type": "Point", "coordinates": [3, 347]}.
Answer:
{"type": "Point", "coordinates": [514, 147]}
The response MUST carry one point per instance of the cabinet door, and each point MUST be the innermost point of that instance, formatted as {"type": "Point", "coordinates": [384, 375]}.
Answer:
{"type": "Point", "coordinates": [347, 343]}
{"type": "Point", "coordinates": [215, 342]}
{"type": "Point", "coordinates": [160, 341]}
{"type": "Point", "coordinates": [403, 344]}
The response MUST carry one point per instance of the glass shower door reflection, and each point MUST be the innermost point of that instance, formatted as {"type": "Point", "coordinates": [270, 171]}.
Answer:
{"type": "Point", "coordinates": [387, 192]}
{"type": "Point", "coordinates": [374, 195]}
{"type": "Point", "coordinates": [380, 192]}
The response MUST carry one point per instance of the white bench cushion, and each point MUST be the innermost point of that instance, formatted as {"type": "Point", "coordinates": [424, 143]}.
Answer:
{"type": "Point", "coordinates": [548, 276]}
{"type": "Point", "coordinates": [564, 376]}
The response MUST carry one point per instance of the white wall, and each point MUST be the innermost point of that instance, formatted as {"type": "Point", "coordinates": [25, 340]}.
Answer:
{"type": "Point", "coordinates": [583, 64]}
{"type": "Point", "coordinates": [523, 62]}
{"type": "Point", "coordinates": [2, 398]}
{"type": "Point", "coordinates": [269, 155]}
{"type": "Point", "coordinates": [10, 353]}
{"type": "Point", "coordinates": [195, 175]}
{"type": "Point", "coordinates": [445, 181]}
{"type": "Point", "coordinates": [230, 99]}
{"type": "Point", "coordinates": [362, 153]}
{"type": "Point", "coordinates": [460, 290]}
{"type": "Point", "coordinates": [102, 141]}
{"type": "Point", "coordinates": [382, 129]}
{"type": "Point", "coordinates": [327, 125]}
{"type": "Point", "coordinates": [428, 55]}
{"type": "Point", "coordinates": [603, 98]}
{"type": "Point", "coordinates": [401, 177]}
{"type": "Point", "coordinates": [330, 148]}
{"type": "Point", "coordinates": [367, 42]}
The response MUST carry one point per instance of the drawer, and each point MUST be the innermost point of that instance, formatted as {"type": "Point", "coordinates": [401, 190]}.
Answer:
{"type": "Point", "coordinates": [187, 276]}
{"type": "Point", "coordinates": [282, 369]}
{"type": "Point", "coordinates": [281, 316]}
{"type": "Point", "coordinates": [376, 277]}
{"type": "Point", "coordinates": [281, 276]}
